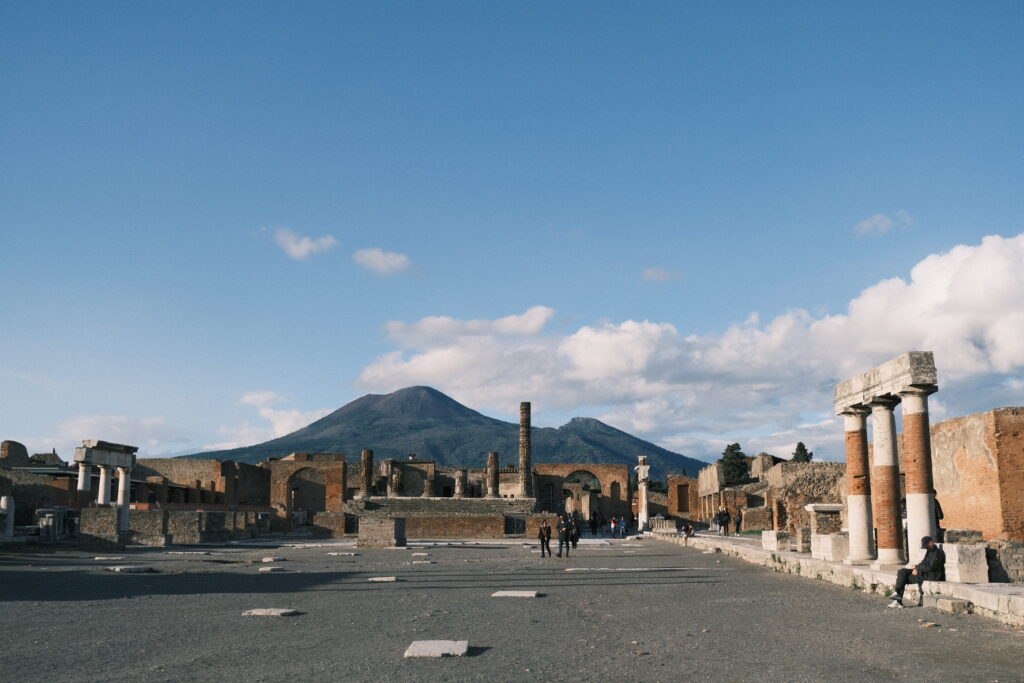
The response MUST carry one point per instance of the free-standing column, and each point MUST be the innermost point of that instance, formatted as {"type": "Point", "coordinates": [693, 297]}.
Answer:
{"type": "Point", "coordinates": [525, 452]}
{"type": "Point", "coordinates": [122, 486]}
{"type": "Point", "coordinates": [103, 495]}
{"type": "Point", "coordinates": [366, 474]}
{"type": "Point", "coordinates": [84, 476]}
{"type": "Point", "coordinates": [492, 475]}
{"type": "Point", "coordinates": [858, 486]}
{"type": "Point", "coordinates": [886, 484]}
{"type": "Point", "coordinates": [917, 469]}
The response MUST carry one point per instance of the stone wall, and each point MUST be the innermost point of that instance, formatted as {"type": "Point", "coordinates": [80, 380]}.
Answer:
{"type": "Point", "coordinates": [978, 467]}
{"type": "Point", "coordinates": [33, 491]}
{"type": "Point", "coordinates": [464, 526]}
{"type": "Point", "coordinates": [381, 532]}
{"type": "Point", "coordinates": [97, 528]}
{"type": "Point", "coordinates": [1005, 561]}
{"type": "Point", "coordinates": [682, 497]}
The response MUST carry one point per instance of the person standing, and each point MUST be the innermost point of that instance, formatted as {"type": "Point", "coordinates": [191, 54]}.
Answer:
{"type": "Point", "coordinates": [615, 527]}
{"type": "Point", "coordinates": [564, 530]}
{"type": "Point", "coordinates": [544, 536]}
{"type": "Point", "coordinates": [574, 534]}
{"type": "Point", "coordinates": [723, 522]}
{"type": "Point", "coordinates": [739, 519]}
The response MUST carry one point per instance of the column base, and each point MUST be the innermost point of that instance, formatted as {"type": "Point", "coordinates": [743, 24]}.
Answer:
{"type": "Point", "coordinates": [858, 561]}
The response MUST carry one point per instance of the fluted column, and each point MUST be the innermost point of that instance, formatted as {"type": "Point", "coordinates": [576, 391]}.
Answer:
{"type": "Point", "coordinates": [492, 475]}
{"type": "Point", "coordinates": [858, 486]}
{"type": "Point", "coordinates": [366, 474]}
{"type": "Point", "coordinates": [885, 479]}
{"type": "Point", "coordinates": [103, 495]}
{"type": "Point", "coordinates": [917, 468]}
{"type": "Point", "coordinates": [525, 452]}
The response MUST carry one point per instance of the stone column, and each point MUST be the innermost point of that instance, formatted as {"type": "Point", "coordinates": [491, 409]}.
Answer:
{"type": "Point", "coordinates": [917, 468]}
{"type": "Point", "coordinates": [492, 475]}
{"type": "Point", "coordinates": [858, 487]}
{"type": "Point", "coordinates": [344, 481]}
{"type": "Point", "coordinates": [885, 478]}
{"type": "Point", "coordinates": [103, 495]}
{"type": "Point", "coordinates": [7, 507]}
{"type": "Point", "coordinates": [366, 474]}
{"type": "Point", "coordinates": [84, 476]}
{"type": "Point", "coordinates": [525, 452]}
{"type": "Point", "coordinates": [123, 475]}
{"type": "Point", "coordinates": [428, 484]}
{"type": "Point", "coordinates": [460, 484]}
{"type": "Point", "coordinates": [642, 477]}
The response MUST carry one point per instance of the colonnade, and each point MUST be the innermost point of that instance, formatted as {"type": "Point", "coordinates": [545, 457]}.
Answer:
{"type": "Point", "coordinates": [873, 489]}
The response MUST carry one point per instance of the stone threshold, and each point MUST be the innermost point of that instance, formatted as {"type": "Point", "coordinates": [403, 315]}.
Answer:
{"type": "Point", "coordinates": [1003, 602]}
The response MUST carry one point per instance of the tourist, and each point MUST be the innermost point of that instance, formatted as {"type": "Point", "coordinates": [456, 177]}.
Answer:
{"type": "Point", "coordinates": [574, 534]}
{"type": "Point", "coordinates": [937, 513]}
{"type": "Point", "coordinates": [931, 568]}
{"type": "Point", "coordinates": [593, 525]}
{"type": "Point", "coordinates": [623, 526]}
{"type": "Point", "coordinates": [739, 519]}
{"type": "Point", "coordinates": [723, 522]}
{"type": "Point", "coordinates": [564, 531]}
{"type": "Point", "coordinates": [615, 528]}
{"type": "Point", "coordinates": [544, 536]}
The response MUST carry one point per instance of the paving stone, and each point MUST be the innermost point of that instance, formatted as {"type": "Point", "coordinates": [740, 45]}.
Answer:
{"type": "Point", "coordinates": [110, 558]}
{"type": "Point", "coordinates": [343, 554]}
{"type": "Point", "coordinates": [129, 569]}
{"type": "Point", "coordinates": [186, 552]}
{"type": "Point", "coordinates": [514, 594]}
{"type": "Point", "coordinates": [438, 648]}
{"type": "Point", "coordinates": [421, 554]}
{"type": "Point", "coordinates": [267, 570]}
{"type": "Point", "coordinates": [382, 579]}
{"type": "Point", "coordinates": [275, 559]}
{"type": "Point", "coordinates": [423, 562]}
{"type": "Point", "coordinates": [270, 612]}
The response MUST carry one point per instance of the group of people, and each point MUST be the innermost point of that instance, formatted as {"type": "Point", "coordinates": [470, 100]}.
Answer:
{"type": "Point", "coordinates": [722, 520]}
{"type": "Point", "coordinates": [567, 530]}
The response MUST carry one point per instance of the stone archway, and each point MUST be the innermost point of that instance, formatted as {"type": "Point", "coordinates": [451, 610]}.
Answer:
{"type": "Point", "coordinates": [307, 493]}
{"type": "Point", "coordinates": [585, 493]}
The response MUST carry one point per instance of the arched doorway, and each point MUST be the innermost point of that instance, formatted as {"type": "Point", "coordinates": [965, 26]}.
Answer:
{"type": "Point", "coordinates": [583, 494]}
{"type": "Point", "coordinates": [307, 494]}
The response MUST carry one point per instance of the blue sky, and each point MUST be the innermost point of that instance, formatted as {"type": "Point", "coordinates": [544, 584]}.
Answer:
{"type": "Point", "coordinates": [702, 204]}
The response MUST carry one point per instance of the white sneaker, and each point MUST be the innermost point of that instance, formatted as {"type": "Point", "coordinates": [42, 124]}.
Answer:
{"type": "Point", "coordinates": [895, 604]}
{"type": "Point", "coordinates": [894, 596]}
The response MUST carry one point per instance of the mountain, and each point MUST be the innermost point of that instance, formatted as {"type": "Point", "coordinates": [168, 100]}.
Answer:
{"type": "Point", "coordinates": [424, 421]}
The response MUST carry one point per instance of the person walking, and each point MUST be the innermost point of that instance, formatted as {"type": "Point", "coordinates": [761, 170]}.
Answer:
{"type": "Point", "coordinates": [544, 536]}
{"type": "Point", "coordinates": [723, 522]}
{"type": "Point", "coordinates": [931, 568]}
{"type": "Point", "coordinates": [739, 519]}
{"type": "Point", "coordinates": [564, 530]}
{"type": "Point", "coordinates": [615, 528]}
{"type": "Point", "coordinates": [574, 534]}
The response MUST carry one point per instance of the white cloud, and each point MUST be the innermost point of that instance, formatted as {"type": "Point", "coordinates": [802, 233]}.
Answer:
{"type": "Point", "coordinates": [755, 379]}
{"type": "Point", "coordinates": [660, 275]}
{"type": "Point", "coordinates": [382, 262]}
{"type": "Point", "coordinates": [301, 247]}
{"type": "Point", "coordinates": [880, 223]}
{"type": "Point", "coordinates": [281, 422]}
{"type": "Point", "coordinates": [150, 434]}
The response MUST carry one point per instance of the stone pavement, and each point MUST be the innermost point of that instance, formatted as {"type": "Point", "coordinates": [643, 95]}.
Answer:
{"type": "Point", "coordinates": [657, 613]}
{"type": "Point", "coordinates": [1003, 602]}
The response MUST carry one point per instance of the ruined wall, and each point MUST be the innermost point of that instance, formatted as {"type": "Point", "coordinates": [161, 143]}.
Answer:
{"type": "Point", "coordinates": [710, 480]}
{"type": "Point", "coordinates": [97, 527]}
{"type": "Point", "coordinates": [463, 526]}
{"type": "Point", "coordinates": [978, 468]}
{"type": "Point", "coordinates": [682, 496]}
{"type": "Point", "coordinates": [34, 491]}
{"type": "Point", "coordinates": [13, 454]}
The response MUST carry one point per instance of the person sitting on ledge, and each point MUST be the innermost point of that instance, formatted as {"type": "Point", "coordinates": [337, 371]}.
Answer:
{"type": "Point", "coordinates": [931, 568]}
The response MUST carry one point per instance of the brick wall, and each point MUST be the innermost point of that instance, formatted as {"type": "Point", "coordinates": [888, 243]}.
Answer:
{"type": "Point", "coordinates": [381, 532]}
{"type": "Point", "coordinates": [463, 526]}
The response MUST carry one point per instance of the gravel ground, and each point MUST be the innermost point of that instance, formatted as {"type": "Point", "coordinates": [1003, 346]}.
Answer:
{"type": "Point", "coordinates": [638, 611]}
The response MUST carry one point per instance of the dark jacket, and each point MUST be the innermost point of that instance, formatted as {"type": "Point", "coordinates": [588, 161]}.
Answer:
{"type": "Point", "coordinates": [544, 532]}
{"type": "Point", "coordinates": [563, 531]}
{"type": "Point", "coordinates": [933, 566]}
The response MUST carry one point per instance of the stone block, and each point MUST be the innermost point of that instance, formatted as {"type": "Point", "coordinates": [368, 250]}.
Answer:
{"type": "Point", "coordinates": [962, 536]}
{"type": "Point", "coordinates": [268, 570]}
{"type": "Point", "coordinates": [966, 563]}
{"type": "Point", "coordinates": [274, 559]}
{"type": "Point", "coordinates": [802, 540]}
{"type": "Point", "coordinates": [382, 579]}
{"type": "Point", "coordinates": [270, 612]}
{"type": "Point", "coordinates": [381, 532]}
{"type": "Point", "coordinates": [830, 547]}
{"type": "Point", "coordinates": [438, 648]}
{"type": "Point", "coordinates": [954, 606]}
{"type": "Point", "coordinates": [775, 541]}
{"type": "Point", "coordinates": [129, 569]}
{"type": "Point", "coordinates": [514, 594]}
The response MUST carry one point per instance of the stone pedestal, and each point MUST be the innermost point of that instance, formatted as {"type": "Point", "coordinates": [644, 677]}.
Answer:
{"type": "Point", "coordinates": [381, 532]}
{"type": "Point", "coordinates": [775, 541]}
{"type": "Point", "coordinates": [966, 562]}
{"type": "Point", "coordinates": [830, 547]}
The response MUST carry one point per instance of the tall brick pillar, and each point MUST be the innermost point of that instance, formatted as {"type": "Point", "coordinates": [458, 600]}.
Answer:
{"type": "Point", "coordinates": [525, 452]}
{"type": "Point", "coordinates": [886, 484]}
{"type": "Point", "coordinates": [917, 468]}
{"type": "Point", "coordinates": [366, 474]}
{"type": "Point", "coordinates": [492, 475]}
{"type": "Point", "coordinates": [858, 486]}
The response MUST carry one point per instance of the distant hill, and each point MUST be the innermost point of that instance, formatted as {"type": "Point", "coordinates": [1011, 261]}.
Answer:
{"type": "Point", "coordinates": [424, 421]}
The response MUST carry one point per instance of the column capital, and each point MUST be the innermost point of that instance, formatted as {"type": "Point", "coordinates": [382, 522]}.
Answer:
{"type": "Point", "coordinates": [887, 403]}
{"type": "Point", "coordinates": [919, 390]}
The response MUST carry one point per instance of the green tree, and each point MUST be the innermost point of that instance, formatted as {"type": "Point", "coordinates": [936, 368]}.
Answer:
{"type": "Point", "coordinates": [801, 454]}
{"type": "Point", "coordinates": [734, 463]}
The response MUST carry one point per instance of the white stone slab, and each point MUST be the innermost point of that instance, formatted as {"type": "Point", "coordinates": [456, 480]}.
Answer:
{"type": "Point", "coordinates": [382, 579]}
{"type": "Point", "coordinates": [343, 554]}
{"type": "Point", "coordinates": [110, 558]}
{"type": "Point", "coordinates": [129, 569]}
{"type": "Point", "coordinates": [186, 552]}
{"type": "Point", "coordinates": [275, 559]}
{"type": "Point", "coordinates": [514, 594]}
{"type": "Point", "coordinates": [421, 554]}
{"type": "Point", "coordinates": [270, 612]}
{"type": "Point", "coordinates": [423, 562]}
{"type": "Point", "coordinates": [267, 570]}
{"type": "Point", "coordinates": [438, 648]}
